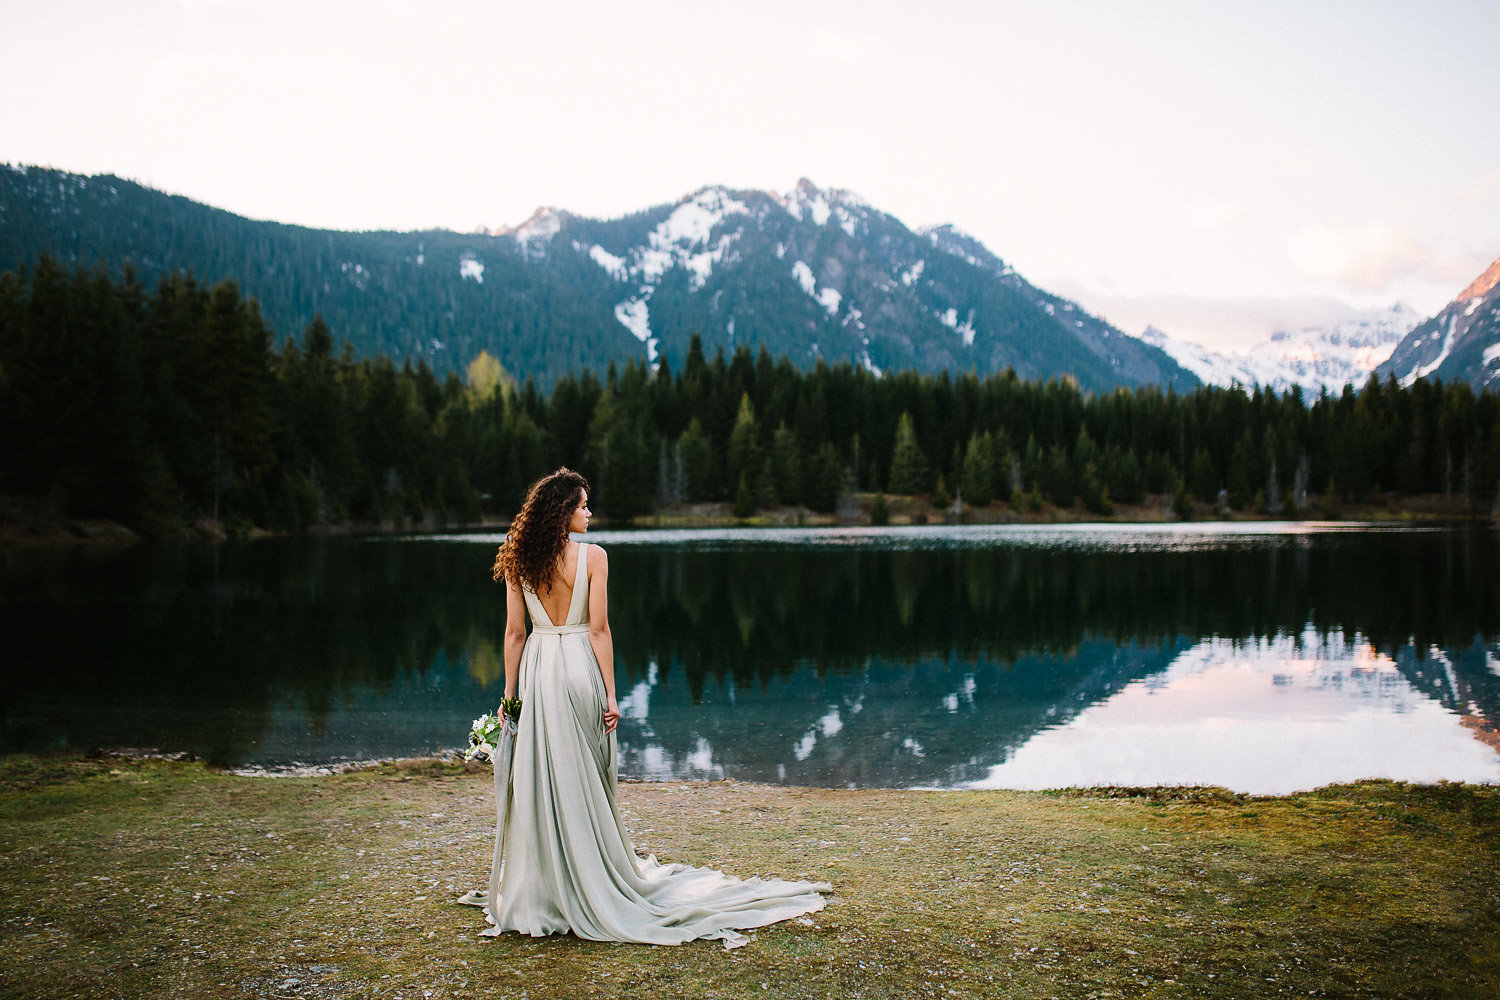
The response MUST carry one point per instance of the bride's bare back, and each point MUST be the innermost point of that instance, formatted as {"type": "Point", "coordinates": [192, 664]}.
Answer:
{"type": "Point", "coordinates": [558, 597]}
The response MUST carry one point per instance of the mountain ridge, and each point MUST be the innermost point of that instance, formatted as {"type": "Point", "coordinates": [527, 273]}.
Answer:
{"type": "Point", "coordinates": [815, 274]}
{"type": "Point", "coordinates": [1313, 358]}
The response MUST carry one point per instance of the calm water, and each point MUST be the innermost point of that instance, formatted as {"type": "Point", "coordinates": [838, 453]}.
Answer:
{"type": "Point", "coordinates": [1262, 657]}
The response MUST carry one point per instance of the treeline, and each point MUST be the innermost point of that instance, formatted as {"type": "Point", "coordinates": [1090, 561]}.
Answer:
{"type": "Point", "coordinates": [165, 406]}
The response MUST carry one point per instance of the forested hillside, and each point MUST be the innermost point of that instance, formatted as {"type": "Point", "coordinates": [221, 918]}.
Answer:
{"type": "Point", "coordinates": [402, 295]}
{"type": "Point", "coordinates": [160, 405]}
{"type": "Point", "coordinates": [812, 275]}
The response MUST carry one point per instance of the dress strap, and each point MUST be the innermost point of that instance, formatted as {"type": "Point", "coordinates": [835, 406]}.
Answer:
{"type": "Point", "coordinates": [579, 602]}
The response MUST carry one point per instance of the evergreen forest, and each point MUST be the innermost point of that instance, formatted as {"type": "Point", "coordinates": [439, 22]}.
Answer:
{"type": "Point", "coordinates": [160, 407]}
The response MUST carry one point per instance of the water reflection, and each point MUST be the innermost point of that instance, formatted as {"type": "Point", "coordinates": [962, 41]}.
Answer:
{"type": "Point", "coordinates": [905, 657]}
{"type": "Point", "coordinates": [1271, 716]}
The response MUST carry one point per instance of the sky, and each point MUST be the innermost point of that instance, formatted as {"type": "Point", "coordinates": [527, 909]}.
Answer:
{"type": "Point", "coordinates": [1214, 168]}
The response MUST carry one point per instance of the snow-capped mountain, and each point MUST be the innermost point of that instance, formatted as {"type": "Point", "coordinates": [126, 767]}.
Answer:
{"type": "Point", "coordinates": [1315, 358]}
{"type": "Point", "coordinates": [812, 274]}
{"type": "Point", "coordinates": [819, 274]}
{"type": "Point", "coordinates": [1461, 343]}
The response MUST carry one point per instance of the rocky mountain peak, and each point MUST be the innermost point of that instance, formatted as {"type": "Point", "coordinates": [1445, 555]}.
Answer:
{"type": "Point", "coordinates": [1482, 284]}
{"type": "Point", "coordinates": [536, 232]}
{"type": "Point", "coordinates": [1461, 343]}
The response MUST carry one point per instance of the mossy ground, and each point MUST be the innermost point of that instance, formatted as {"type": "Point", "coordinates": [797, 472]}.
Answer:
{"type": "Point", "coordinates": [162, 879]}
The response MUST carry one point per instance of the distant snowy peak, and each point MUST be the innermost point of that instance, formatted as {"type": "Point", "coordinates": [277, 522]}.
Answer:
{"type": "Point", "coordinates": [1212, 367]}
{"type": "Point", "coordinates": [1314, 358]}
{"type": "Point", "coordinates": [1461, 343]}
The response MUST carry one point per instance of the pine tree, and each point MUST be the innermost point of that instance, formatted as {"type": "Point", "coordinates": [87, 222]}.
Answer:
{"type": "Point", "coordinates": [940, 497]}
{"type": "Point", "coordinates": [909, 471]}
{"type": "Point", "coordinates": [823, 480]}
{"type": "Point", "coordinates": [1244, 472]}
{"type": "Point", "coordinates": [700, 467]}
{"type": "Point", "coordinates": [744, 499]}
{"type": "Point", "coordinates": [979, 470]}
{"type": "Point", "coordinates": [1203, 478]}
{"type": "Point", "coordinates": [744, 456]}
{"type": "Point", "coordinates": [786, 465]}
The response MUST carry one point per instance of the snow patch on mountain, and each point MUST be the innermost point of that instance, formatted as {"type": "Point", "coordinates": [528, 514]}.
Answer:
{"type": "Point", "coordinates": [807, 201]}
{"type": "Point", "coordinates": [1420, 370]}
{"type": "Point", "coordinates": [693, 222]}
{"type": "Point", "coordinates": [679, 240]}
{"type": "Point", "coordinates": [635, 316]}
{"type": "Point", "coordinates": [804, 277]}
{"type": "Point", "coordinates": [471, 268]}
{"type": "Point", "coordinates": [828, 298]}
{"type": "Point", "coordinates": [949, 318]}
{"type": "Point", "coordinates": [847, 222]}
{"type": "Point", "coordinates": [818, 209]}
{"type": "Point", "coordinates": [613, 266]}
{"type": "Point", "coordinates": [909, 276]}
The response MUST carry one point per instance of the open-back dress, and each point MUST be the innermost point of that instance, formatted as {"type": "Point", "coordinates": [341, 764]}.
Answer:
{"type": "Point", "coordinates": [568, 864]}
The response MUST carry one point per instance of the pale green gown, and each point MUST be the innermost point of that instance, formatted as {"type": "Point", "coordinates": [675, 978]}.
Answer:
{"type": "Point", "coordinates": [568, 864]}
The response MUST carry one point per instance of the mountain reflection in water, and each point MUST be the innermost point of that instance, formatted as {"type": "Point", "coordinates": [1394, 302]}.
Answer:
{"type": "Point", "coordinates": [1262, 657]}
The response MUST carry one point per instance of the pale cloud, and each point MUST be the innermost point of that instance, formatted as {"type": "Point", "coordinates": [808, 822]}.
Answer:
{"type": "Point", "coordinates": [1212, 213]}
{"type": "Point", "coordinates": [1219, 322]}
{"type": "Point", "coordinates": [1366, 259]}
{"type": "Point", "coordinates": [1483, 193]}
{"type": "Point", "coordinates": [839, 46]}
{"type": "Point", "coordinates": [1382, 260]}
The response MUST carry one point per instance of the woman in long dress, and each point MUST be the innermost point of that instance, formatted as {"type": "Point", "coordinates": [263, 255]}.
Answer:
{"type": "Point", "coordinates": [568, 863]}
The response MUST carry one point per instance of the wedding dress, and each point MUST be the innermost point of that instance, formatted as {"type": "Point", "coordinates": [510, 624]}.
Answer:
{"type": "Point", "coordinates": [564, 861]}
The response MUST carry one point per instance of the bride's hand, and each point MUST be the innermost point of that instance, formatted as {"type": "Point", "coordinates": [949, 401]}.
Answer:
{"type": "Point", "coordinates": [611, 714]}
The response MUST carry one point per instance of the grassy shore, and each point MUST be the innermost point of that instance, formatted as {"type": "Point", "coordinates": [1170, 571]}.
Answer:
{"type": "Point", "coordinates": [146, 878]}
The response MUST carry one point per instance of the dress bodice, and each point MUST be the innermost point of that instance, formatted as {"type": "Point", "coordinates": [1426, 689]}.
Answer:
{"type": "Point", "coordinates": [578, 605]}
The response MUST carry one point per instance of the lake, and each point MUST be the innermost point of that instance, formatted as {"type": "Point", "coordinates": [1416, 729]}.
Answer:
{"type": "Point", "coordinates": [1266, 657]}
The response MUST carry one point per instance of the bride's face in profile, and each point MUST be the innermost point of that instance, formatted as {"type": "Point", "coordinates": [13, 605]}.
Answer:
{"type": "Point", "coordinates": [581, 514]}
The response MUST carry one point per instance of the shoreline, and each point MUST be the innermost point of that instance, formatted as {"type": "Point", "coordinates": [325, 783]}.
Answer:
{"type": "Point", "coordinates": [1482, 729]}
{"type": "Point", "coordinates": [168, 878]}
{"type": "Point", "coordinates": [24, 527]}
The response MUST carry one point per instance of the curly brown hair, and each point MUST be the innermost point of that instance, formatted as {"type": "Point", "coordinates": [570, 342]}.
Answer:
{"type": "Point", "coordinates": [539, 533]}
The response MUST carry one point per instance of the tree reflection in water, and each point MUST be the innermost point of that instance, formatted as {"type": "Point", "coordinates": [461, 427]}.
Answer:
{"type": "Point", "coordinates": [872, 658]}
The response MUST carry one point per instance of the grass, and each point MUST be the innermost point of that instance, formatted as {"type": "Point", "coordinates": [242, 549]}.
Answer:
{"type": "Point", "coordinates": [161, 879]}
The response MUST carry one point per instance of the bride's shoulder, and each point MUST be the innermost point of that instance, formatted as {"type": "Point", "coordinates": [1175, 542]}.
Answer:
{"type": "Point", "coordinates": [597, 559]}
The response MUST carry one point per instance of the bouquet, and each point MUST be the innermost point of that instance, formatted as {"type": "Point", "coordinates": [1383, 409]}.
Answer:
{"type": "Point", "coordinates": [487, 728]}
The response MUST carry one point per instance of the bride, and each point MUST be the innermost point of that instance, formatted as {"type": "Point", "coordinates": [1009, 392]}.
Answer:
{"type": "Point", "coordinates": [568, 864]}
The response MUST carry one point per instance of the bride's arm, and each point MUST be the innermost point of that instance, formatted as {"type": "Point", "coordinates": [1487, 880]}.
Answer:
{"type": "Point", "coordinates": [599, 636]}
{"type": "Point", "coordinates": [515, 635]}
